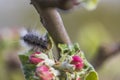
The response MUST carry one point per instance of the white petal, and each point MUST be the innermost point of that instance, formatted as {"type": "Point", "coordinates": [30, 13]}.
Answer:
{"type": "Point", "coordinates": [49, 62]}
{"type": "Point", "coordinates": [42, 56]}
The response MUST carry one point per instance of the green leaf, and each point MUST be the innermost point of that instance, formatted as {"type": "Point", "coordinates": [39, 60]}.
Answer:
{"type": "Point", "coordinates": [23, 59]}
{"type": "Point", "coordinates": [90, 4]}
{"type": "Point", "coordinates": [76, 47]}
{"type": "Point", "coordinates": [63, 47]}
{"type": "Point", "coordinates": [28, 69]}
{"type": "Point", "coordinates": [92, 75]}
{"type": "Point", "coordinates": [71, 49]}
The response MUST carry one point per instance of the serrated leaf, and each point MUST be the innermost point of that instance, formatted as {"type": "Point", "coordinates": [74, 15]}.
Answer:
{"type": "Point", "coordinates": [76, 47]}
{"type": "Point", "coordinates": [71, 49]}
{"type": "Point", "coordinates": [63, 48]}
{"type": "Point", "coordinates": [28, 69]}
{"type": "Point", "coordinates": [92, 75]}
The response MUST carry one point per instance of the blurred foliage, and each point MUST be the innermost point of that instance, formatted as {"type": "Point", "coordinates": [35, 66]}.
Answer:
{"type": "Point", "coordinates": [91, 37]}
{"type": "Point", "coordinates": [8, 46]}
{"type": "Point", "coordinates": [90, 4]}
{"type": "Point", "coordinates": [89, 28]}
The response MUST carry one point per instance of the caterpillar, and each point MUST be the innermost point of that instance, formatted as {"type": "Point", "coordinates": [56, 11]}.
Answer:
{"type": "Point", "coordinates": [41, 42]}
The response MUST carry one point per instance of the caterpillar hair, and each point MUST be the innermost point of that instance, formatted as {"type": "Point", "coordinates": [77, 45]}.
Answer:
{"type": "Point", "coordinates": [33, 39]}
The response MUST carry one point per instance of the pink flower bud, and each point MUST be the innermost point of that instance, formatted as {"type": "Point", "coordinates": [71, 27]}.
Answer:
{"type": "Point", "coordinates": [78, 79]}
{"type": "Point", "coordinates": [44, 73]}
{"type": "Point", "coordinates": [77, 59]}
{"type": "Point", "coordinates": [78, 62]}
{"type": "Point", "coordinates": [33, 59]}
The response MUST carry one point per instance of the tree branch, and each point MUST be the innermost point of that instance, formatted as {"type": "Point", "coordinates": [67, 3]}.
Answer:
{"type": "Point", "coordinates": [52, 21]}
{"type": "Point", "coordinates": [104, 52]}
{"type": "Point", "coordinates": [61, 4]}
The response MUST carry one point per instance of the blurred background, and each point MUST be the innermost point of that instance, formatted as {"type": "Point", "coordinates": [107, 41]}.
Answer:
{"type": "Point", "coordinates": [90, 28]}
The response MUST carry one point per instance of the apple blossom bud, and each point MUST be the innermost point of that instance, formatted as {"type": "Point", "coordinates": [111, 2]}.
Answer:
{"type": "Point", "coordinates": [78, 79]}
{"type": "Point", "coordinates": [78, 62]}
{"type": "Point", "coordinates": [44, 73]}
{"type": "Point", "coordinates": [33, 59]}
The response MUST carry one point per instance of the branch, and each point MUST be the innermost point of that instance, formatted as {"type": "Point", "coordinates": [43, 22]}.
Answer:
{"type": "Point", "coordinates": [52, 21]}
{"type": "Point", "coordinates": [61, 4]}
{"type": "Point", "coordinates": [104, 52]}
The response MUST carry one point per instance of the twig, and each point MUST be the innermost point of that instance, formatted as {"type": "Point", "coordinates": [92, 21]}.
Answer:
{"type": "Point", "coordinates": [52, 21]}
{"type": "Point", "coordinates": [104, 52]}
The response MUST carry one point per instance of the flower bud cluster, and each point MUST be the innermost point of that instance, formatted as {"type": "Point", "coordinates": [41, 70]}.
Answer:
{"type": "Point", "coordinates": [48, 69]}
{"type": "Point", "coordinates": [77, 61]}
{"type": "Point", "coordinates": [44, 69]}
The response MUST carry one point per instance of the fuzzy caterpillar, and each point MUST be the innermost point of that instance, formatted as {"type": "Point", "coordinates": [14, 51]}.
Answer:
{"type": "Point", "coordinates": [37, 41]}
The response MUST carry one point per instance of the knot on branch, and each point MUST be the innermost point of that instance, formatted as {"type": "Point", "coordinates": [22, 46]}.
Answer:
{"type": "Point", "coordinates": [61, 4]}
